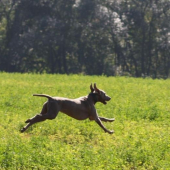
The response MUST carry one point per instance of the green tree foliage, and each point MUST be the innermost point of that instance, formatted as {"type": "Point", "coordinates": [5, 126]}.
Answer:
{"type": "Point", "coordinates": [112, 37]}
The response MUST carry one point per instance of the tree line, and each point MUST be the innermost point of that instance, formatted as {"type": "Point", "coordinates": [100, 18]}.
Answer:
{"type": "Point", "coordinates": [94, 37]}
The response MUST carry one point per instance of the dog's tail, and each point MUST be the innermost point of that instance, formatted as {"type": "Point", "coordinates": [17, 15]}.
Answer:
{"type": "Point", "coordinates": [43, 95]}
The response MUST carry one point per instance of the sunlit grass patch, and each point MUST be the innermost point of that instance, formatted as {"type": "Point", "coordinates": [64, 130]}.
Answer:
{"type": "Point", "coordinates": [142, 126]}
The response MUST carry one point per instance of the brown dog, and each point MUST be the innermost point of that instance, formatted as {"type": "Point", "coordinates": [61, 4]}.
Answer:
{"type": "Point", "coordinates": [80, 108]}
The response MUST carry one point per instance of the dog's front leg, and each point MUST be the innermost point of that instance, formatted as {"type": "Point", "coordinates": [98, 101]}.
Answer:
{"type": "Point", "coordinates": [94, 116]}
{"type": "Point", "coordinates": [101, 125]}
{"type": "Point", "coordinates": [106, 119]}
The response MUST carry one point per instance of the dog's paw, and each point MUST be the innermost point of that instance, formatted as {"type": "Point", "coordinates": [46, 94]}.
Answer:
{"type": "Point", "coordinates": [113, 119]}
{"type": "Point", "coordinates": [111, 131]}
{"type": "Point", "coordinates": [22, 130]}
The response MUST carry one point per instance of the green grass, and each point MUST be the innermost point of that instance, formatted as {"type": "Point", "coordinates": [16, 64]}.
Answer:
{"type": "Point", "coordinates": [142, 127]}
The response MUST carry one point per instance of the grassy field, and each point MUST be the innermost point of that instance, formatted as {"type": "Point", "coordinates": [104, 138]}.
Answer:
{"type": "Point", "coordinates": [141, 140]}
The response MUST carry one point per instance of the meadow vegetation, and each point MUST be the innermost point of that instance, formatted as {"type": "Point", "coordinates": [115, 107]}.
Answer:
{"type": "Point", "coordinates": [141, 140]}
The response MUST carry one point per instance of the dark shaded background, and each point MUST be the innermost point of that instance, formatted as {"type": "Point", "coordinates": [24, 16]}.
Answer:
{"type": "Point", "coordinates": [94, 37]}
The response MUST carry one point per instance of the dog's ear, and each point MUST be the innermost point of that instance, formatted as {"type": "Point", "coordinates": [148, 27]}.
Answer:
{"type": "Point", "coordinates": [91, 88]}
{"type": "Point", "coordinates": [96, 89]}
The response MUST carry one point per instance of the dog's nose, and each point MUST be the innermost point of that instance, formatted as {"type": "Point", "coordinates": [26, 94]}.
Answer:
{"type": "Point", "coordinates": [109, 98]}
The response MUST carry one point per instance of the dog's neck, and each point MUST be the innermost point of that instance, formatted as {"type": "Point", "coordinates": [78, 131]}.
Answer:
{"type": "Point", "coordinates": [93, 97]}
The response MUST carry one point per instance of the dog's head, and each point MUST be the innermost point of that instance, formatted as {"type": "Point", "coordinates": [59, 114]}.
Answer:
{"type": "Point", "coordinates": [101, 95]}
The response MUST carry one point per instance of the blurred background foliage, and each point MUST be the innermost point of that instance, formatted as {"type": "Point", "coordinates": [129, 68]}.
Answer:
{"type": "Point", "coordinates": [110, 37]}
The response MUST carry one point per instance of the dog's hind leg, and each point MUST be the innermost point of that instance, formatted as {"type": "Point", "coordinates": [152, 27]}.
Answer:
{"type": "Point", "coordinates": [35, 119]}
{"type": "Point", "coordinates": [43, 112]}
{"type": "Point", "coordinates": [49, 111]}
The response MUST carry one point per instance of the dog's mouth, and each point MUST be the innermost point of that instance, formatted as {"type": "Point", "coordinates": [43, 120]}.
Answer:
{"type": "Point", "coordinates": [105, 101]}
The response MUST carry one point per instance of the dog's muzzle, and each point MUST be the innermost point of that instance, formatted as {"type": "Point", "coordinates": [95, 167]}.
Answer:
{"type": "Point", "coordinates": [105, 101]}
